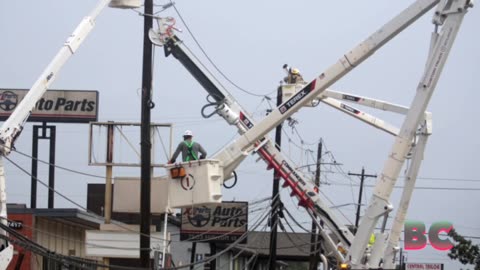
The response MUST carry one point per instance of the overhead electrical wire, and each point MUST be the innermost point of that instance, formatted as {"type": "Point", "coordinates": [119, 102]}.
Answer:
{"type": "Point", "coordinates": [259, 221]}
{"type": "Point", "coordinates": [56, 236]}
{"type": "Point", "coordinates": [329, 152]}
{"type": "Point", "coordinates": [58, 166]}
{"type": "Point", "coordinates": [89, 244]}
{"type": "Point", "coordinates": [113, 247]}
{"type": "Point", "coordinates": [35, 248]}
{"type": "Point", "coordinates": [242, 249]}
{"type": "Point", "coordinates": [295, 221]}
{"type": "Point", "coordinates": [453, 179]}
{"type": "Point", "coordinates": [351, 187]}
{"type": "Point", "coordinates": [303, 244]}
{"type": "Point", "coordinates": [219, 236]}
{"type": "Point", "coordinates": [120, 224]}
{"type": "Point", "coordinates": [232, 245]}
{"type": "Point", "coordinates": [211, 61]}
{"type": "Point", "coordinates": [426, 188]}
{"type": "Point", "coordinates": [85, 242]}
{"type": "Point", "coordinates": [343, 172]}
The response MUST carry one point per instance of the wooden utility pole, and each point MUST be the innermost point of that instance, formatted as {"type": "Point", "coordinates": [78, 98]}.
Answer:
{"type": "Point", "coordinates": [146, 146]}
{"type": "Point", "coordinates": [275, 194]}
{"type": "Point", "coordinates": [362, 179]}
{"type": "Point", "coordinates": [315, 238]}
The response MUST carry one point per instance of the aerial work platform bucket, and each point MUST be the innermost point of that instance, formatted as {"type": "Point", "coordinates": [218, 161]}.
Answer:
{"type": "Point", "coordinates": [289, 90]}
{"type": "Point", "coordinates": [195, 182]}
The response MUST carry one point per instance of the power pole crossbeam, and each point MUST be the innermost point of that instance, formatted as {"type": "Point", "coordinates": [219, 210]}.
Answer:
{"type": "Point", "coordinates": [362, 179]}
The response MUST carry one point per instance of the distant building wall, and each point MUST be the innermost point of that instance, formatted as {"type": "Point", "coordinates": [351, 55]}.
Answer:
{"type": "Point", "coordinates": [26, 219]}
{"type": "Point", "coordinates": [181, 251]}
{"type": "Point", "coordinates": [60, 238]}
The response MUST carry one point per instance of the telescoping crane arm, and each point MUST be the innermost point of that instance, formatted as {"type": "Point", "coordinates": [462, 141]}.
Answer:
{"type": "Point", "coordinates": [337, 101]}
{"type": "Point", "coordinates": [255, 134]}
{"type": "Point", "coordinates": [231, 157]}
{"type": "Point", "coordinates": [449, 15]}
{"type": "Point", "coordinates": [13, 126]}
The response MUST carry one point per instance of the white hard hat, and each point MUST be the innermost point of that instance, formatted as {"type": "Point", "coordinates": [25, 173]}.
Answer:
{"type": "Point", "coordinates": [295, 71]}
{"type": "Point", "coordinates": [188, 133]}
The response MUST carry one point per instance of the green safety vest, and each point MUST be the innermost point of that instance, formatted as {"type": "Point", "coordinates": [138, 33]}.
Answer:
{"type": "Point", "coordinates": [191, 154]}
{"type": "Point", "coordinates": [371, 241]}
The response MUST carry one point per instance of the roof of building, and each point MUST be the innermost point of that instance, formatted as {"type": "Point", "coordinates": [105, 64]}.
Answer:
{"type": "Point", "coordinates": [290, 246]}
{"type": "Point", "coordinates": [64, 215]}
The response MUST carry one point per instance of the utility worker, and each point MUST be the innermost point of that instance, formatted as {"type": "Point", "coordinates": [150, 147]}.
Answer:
{"type": "Point", "coordinates": [189, 149]}
{"type": "Point", "coordinates": [371, 241]}
{"type": "Point", "coordinates": [294, 76]}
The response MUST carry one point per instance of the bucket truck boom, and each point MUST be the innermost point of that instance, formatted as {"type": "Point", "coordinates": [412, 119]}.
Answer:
{"type": "Point", "coordinates": [13, 126]}
{"type": "Point", "coordinates": [449, 16]}
{"type": "Point", "coordinates": [254, 135]}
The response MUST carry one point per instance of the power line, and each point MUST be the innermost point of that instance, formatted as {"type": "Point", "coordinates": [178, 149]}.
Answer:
{"type": "Point", "coordinates": [29, 244]}
{"type": "Point", "coordinates": [448, 179]}
{"type": "Point", "coordinates": [211, 61]}
{"type": "Point", "coordinates": [426, 188]}
{"type": "Point", "coordinates": [59, 167]}
{"type": "Point", "coordinates": [121, 225]}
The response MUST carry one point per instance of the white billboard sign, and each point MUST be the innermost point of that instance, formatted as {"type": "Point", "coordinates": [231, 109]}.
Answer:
{"type": "Point", "coordinates": [126, 195]}
{"type": "Point", "coordinates": [115, 244]}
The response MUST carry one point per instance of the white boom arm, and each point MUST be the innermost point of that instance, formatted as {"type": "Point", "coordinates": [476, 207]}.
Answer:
{"type": "Point", "coordinates": [362, 116]}
{"type": "Point", "coordinates": [305, 191]}
{"type": "Point", "coordinates": [345, 64]}
{"type": "Point", "coordinates": [418, 148]}
{"type": "Point", "coordinates": [392, 248]}
{"type": "Point", "coordinates": [15, 122]}
{"type": "Point", "coordinates": [365, 101]}
{"type": "Point", "coordinates": [334, 100]}
{"type": "Point", "coordinates": [450, 14]}
{"type": "Point", "coordinates": [232, 156]}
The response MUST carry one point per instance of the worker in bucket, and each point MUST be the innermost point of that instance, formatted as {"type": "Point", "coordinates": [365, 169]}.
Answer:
{"type": "Point", "coordinates": [189, 149]}
{"type": "Point", "coordinates": [293, 75]}
{"type": "Point", "coordinates": [372, 239]}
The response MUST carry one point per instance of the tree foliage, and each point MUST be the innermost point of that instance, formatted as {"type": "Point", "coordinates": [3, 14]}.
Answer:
{"type": "Point", "coordinates": [464, 250]}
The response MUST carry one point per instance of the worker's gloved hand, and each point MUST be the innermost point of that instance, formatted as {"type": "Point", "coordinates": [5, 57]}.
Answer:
{"type": "Point", "coordinates": [202, 157]}
{"type": "Point", "coordinates": [171, 161]}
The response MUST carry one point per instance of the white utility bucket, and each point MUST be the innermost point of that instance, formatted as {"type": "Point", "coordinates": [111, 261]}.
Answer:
{"type": "Point", "coordinates": [195, 182]}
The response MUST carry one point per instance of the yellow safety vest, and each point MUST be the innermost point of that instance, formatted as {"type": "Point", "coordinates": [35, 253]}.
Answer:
{"type": "Point", "coordinates": [372, 240]}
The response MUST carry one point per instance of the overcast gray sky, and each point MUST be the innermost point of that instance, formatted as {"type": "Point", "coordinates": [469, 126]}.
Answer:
{"type": "Point", "coordinates": [250, 41]}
